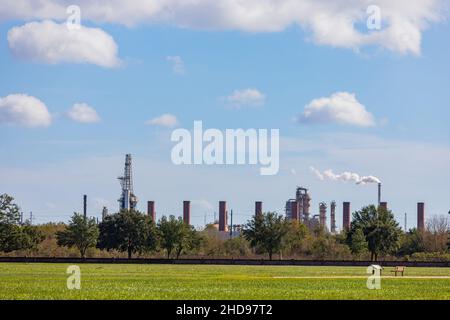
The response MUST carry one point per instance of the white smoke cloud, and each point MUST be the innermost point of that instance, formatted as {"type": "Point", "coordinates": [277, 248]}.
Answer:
{"type": "Point", "coordinates": [345, 176]}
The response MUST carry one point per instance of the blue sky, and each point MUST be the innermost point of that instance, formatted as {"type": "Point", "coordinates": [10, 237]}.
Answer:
{"type": "Point", "coordinates": [48, 168]}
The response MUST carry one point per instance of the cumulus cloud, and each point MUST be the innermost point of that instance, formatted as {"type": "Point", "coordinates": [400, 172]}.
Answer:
{"type": "Point", "coordinates": [177, 64]}
{"type": "Point", "coordinates": [53, 43]}
{"type": "Point", "coordinates": [24, 110]}
{"type": "Point", "coordinates": [245, 97]}
{"type": "Point", "coordinates": [345, 176]}
{"type": "Point", "coordinates": [340, 107]}
{"type": "Point", "coordinates": [166, 120]}
{"type": "Point", "coordinates": [328, 22]}
{"type": "Point", "coordinates": [83, 113]}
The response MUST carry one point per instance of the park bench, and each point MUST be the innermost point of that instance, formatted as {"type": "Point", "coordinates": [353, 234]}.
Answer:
{"type": "Point", "coordinates": [399, 269]}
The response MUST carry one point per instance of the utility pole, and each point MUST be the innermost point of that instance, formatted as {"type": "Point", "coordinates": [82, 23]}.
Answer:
{"type": "Point", "coordinates": [406, 220]}
{"type": "Point", "coordinates": [231, 227]}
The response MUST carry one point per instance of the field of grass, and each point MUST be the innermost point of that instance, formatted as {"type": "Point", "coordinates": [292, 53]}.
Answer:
{"type": "Point", "coordinates": [102, 281]}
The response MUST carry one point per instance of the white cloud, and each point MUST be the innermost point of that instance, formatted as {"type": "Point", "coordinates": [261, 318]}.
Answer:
{"type": "Point", "coordinates": [340, 108]}
{"type": "Point", "coordinates": [24, 110]}
{"type": "Point", "coordinates": [245, 97]}
{"type": "Point", "coordinates": [83, 113]}
{"type": "Point", "coordinates": [53, 43]}
{"type": "Point", "coordinates": [329, 22]}
{"type": "Point", "coordinates": [166, 120]}
{"type": "Point", "coordinates": [177, 64]}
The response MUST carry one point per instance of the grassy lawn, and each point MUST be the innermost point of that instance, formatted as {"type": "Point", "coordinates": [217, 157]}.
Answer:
{"type": "Point", "coordinates": [102, 281]}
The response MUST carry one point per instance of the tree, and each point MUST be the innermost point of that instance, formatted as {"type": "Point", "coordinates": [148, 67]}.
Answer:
{"type": "Point", "coordinates": [9, 211]}
{"type": "Point", "coordinates": [13, 234]}
{"type": "Point", "coordinates": [81, 233]}
{"type": "Point", "coordinates": [127, 231]}
{"type": "Point", "coordinates": [380, 229]}
{"type": "Point", "coordinates": [10, 237]}
{"type": "Point", "coordinates": [31, 236]}
{"type": "Point", "coordinates": [175, 236]}
{"type": "Point", "coordinates": [189, 240]}
{"type": "Point", "coordinates": [411, 242]}
{"type": "Point", "coordinates": [267, 231]}
{"type": "Point", "coordinates": [236, 247]}
{"type": "Point", "coordinates": [295, 238]}
{"type": "Point", "coordinates": [436, 234]}
{"type": "Point", "coordinates": [358, 244]}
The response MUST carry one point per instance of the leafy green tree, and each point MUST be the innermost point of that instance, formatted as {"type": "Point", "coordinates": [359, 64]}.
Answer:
{"type": "Point", "coordinates": [13, 234]}
{"type": "Point", "coordinates": [10, 237]}
{"type": "Point", "coordinates": [9, 211]}
{"type": "Point", "coordinates": [267, 231]}
{"type": "Point", "coordinates": [81, 233]}
{"type": "Point", "coordinates": [238, 246]}
{"type": "Point", "coordinates": [358, 243]}
{"type": "Point", "coordinates": [189, 240]}
{"type": "Point", "coordinates": [296, 235]}
{"type": "Point", "coordinates": [177, 237]}
{"type": "Point", "coordinates": [411, 242]}
{"type": "Point", "coordinates": [127, 231]}
{"type": "Point", "coordinates": [31, 236]}
{"type": "Point", "coordinates": [380, 229]}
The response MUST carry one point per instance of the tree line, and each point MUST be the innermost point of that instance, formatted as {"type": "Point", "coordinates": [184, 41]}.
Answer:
{"type": "Point", "coordinates": [373, 233]}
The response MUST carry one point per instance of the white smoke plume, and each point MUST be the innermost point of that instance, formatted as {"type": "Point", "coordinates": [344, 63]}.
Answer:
{"type": "Point", "coordinates": [345, 176]}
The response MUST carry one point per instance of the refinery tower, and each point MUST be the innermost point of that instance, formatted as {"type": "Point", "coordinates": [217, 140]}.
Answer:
{"type": "Point", "coordinates": [127, 200]}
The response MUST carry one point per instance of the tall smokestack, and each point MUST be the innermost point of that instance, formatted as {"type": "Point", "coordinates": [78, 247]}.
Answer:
{"type": "Point", "coordinates": [295, 205]}
{"type": "Point", "coordinates": [322, 214]}
{"type": "Point", "coordinates": [85, 206]}
{"type": "Point", "coordinates": [258, 208]}
{"type": "Point", "coordinates": [333, 217]}
{"type": "Point", "coordinates": [187, 212]}
{"type": "Point", "coordinates": [222, 216]}
{"type": "Point", "coordinates": [151, 210]}
{"type": "Point", "coordinates": [346, 216]}
{"type": "Point", "coordinates": [379, 194]}
{"type": "Point", "coordinates": [421, 216]}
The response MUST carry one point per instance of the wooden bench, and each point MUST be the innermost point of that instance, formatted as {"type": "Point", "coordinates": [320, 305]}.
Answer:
{"type": "Point", "coordinates": [399, 269]}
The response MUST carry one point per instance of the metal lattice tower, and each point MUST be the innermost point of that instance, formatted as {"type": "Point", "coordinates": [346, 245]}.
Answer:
{"type": "Point", "coordinates": [127, 200]}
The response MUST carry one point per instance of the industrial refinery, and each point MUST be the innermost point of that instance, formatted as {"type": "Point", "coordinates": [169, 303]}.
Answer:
{"type": "Point", "coordinates": [297, 208]}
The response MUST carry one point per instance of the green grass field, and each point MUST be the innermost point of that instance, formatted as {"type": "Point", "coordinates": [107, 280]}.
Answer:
{"type": "Point", "coordinates": [101, 281]}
